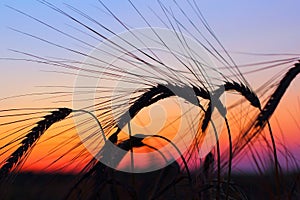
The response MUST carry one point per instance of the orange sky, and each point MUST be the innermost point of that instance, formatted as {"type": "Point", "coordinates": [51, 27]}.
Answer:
{"type": "Point", "coordinates": [37, 161]}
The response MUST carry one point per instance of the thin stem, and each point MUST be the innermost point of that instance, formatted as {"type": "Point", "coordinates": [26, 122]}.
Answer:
{"type": "Point", "coordinates": [230, 158]}
{"type": "Point", "coordinates": [131, 153]}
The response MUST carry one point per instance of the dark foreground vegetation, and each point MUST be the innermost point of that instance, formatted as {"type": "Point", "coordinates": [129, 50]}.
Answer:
{"type": "Point", "coordinates": [56, 186]}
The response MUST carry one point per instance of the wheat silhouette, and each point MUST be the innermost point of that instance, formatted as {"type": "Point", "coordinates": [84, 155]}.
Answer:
{"type": "Point", "coordinates": [212, 179]}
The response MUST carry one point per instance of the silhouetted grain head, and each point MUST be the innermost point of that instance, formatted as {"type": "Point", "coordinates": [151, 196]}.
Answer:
{"type": "Point", "coordinates": [31, 138]}
{"type": "Point", "coordinates": [275, 98]}
{"type": "Point", "coordinates": [243, 90]}
{"type": "Point", "coordinates": [156, 94]}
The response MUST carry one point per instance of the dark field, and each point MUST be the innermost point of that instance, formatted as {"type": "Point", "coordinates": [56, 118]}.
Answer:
{"type": "Point", "coordinates": [47, 186]}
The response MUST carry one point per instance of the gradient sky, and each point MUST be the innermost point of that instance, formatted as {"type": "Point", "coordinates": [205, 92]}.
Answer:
{"type": "Point", "coordinates": [256, 26]}
{"type": "Point", "coordinates": [270, 26]}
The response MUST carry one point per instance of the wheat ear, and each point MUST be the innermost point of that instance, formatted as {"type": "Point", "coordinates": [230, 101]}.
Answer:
{"type": "Point", "coordinates": [154, 95]}
{"type": "Point", "coordinates": [244, 91]}
{"type": "Point", "coordinates": [270, 107]}
{"type": "Point", "coordinates": [275, 98]}
{"type": "Point", "coordinates": [267, 111]}
{"type": "Point", "coordinates": [32, 137]}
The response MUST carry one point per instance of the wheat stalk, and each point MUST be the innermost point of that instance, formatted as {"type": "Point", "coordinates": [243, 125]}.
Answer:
{"type": "Point", "coordinates": [32, 137]}
{"type": "Point", "coordinates": [161, 92]}
{"type": "Point", "coordinates": [269, 108]}
{"type": "Point", "coordinates": [275, 98]}
{"type": "Point", "coordinates": [154, 95]}
{"type": "Point", "coordinates": [244, 91]}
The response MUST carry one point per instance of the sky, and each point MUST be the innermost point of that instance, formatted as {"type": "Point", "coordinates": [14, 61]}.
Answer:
{"type": "Point", "coordinates": [253, 26]}
{"type": "Point", "coordinates": [260, 27]}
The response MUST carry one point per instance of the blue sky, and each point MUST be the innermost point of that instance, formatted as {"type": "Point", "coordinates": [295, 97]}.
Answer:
{"type": "Point", "coordinates": [235, 22]}
{"type": "Point", "coordinates": [252, 26]}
